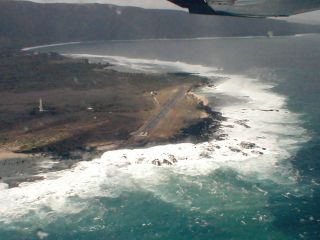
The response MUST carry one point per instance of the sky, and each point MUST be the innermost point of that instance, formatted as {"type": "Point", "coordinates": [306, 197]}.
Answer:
{"type": "Point", "coordinates": [313, 17]}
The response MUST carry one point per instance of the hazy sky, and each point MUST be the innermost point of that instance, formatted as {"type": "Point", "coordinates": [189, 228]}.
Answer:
{"type": "Point", "coordinates": [313, 17]}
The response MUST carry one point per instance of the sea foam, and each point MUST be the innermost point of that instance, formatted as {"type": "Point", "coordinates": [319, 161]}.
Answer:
{"type": "Point", "coordinates": [258, 133]}
{"type": "Point", "coordinates": [49, 45]}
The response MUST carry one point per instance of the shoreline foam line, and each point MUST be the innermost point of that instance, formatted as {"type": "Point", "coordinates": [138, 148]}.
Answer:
{"type": "Point", "coordinates": [259, 133]}
{"type": "Point", "coordinates": [168, 39]}
{"type": "Point", "coordinates": [49, 45]}
{"type": "Point", "coordinates": [151, 65]}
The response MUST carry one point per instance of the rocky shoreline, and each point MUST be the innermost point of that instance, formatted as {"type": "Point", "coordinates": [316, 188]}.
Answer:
{"type": "Point", "coordinates": [203, 130]}
{"type": "Point", "coordinates": [57, 139]}
{"type": "Point", "coordinates": [19, 167]}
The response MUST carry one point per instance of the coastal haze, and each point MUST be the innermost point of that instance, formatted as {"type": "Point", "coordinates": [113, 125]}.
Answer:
{"type": "Point", "coordinates": [310, 18]}
{"type": "Point", "coordinates": [211, 134]}
{"type": "Point", "coordinates": [25, 24]}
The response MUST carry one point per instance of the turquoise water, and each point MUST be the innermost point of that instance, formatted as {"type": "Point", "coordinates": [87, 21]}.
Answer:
{"type": "Point", "coordinates": [212, 192]}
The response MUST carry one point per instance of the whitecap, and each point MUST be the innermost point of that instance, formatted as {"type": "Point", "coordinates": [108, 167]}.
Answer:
{"type": "Point", "coordinates": [259, 132]}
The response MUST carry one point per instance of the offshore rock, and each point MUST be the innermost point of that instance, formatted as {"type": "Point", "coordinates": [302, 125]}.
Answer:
{"type": "Point", "coordinates": [248, 145]}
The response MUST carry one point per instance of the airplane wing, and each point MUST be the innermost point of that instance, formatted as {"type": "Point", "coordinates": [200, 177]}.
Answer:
{"type": "Point", "coordinates": [249, 8]}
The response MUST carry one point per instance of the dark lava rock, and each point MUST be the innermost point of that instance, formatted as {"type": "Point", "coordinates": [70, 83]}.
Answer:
{"type": "Point", "coordinates": [203, 130]}
{"type": "Point", "coordinates": [243, 123]}
{"type": "Point", "coordinates": [167, 162]}
{"type": "Point", "coordinates": [229, 126]}
{"type": "Point", "coordinates": [248, 145]}
{"type": "Point", "coordinates": [257, 152]}
{"type": "Point", "coordinates": [222, 137]}
{"type": "Point", "coordinates": [156, 162]}
{"type": "Point", "coordinates": [173, 159]}
{"type": "Point", "coordinates": [233, 149]}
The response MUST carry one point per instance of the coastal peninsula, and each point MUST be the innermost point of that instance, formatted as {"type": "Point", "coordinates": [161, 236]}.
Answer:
{"type": "Point", "coordinates": [51, 104]}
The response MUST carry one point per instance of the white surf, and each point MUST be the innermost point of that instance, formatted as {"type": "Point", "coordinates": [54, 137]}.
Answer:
{"type": "Point", "coordinates": [259, 133]}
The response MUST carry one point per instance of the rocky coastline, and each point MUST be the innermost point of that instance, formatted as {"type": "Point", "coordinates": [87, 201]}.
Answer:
{"type": "Point", "coordinates": [76, 129]}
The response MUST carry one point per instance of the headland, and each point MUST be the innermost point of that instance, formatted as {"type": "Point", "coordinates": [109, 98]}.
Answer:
{"type": "Point", "coordinates": [58, 107]}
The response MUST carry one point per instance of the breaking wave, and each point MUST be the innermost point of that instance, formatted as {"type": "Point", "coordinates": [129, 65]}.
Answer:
{"type": "Point", "coordinates": [49, 45]}
{"type": "Point", "coordinates": [258, 134]}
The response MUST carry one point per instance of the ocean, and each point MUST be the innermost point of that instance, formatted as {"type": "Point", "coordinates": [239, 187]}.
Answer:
{"type": "Point", "coordinates": [260, 181]}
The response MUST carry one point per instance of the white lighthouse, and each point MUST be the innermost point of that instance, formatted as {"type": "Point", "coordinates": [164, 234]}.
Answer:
{"type": "Point", "coordinates": [41, 105]}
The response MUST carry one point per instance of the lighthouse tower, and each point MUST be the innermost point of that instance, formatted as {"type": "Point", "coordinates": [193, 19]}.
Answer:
{"type": "Point", "coordinates": [41, 105]}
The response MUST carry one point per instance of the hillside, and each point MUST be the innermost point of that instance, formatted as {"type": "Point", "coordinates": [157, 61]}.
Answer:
{"type": "Point", "coordinates": [27, 23]}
